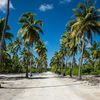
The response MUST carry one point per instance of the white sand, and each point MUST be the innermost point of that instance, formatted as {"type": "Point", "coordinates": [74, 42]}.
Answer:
{"type": "Point", "coordinates": [47, 86]}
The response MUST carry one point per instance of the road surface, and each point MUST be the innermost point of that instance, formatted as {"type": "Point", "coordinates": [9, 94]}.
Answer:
{"type": "Point", "coordinates": [48, 86]}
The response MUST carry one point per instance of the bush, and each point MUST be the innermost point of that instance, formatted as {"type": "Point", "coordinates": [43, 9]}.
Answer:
{"type": "Point", "coordinates": [87, 69]}
{"type": "Point", "coordinates": [75, 71]}
{"type": "Point", "coordinates": [67, 71]}
{"type": "Point", "coordinates": [96, 72]}
{"type": "Point", "coordinates": [33, 70]}
{"type": "Point", "coordinates": [63, 71]}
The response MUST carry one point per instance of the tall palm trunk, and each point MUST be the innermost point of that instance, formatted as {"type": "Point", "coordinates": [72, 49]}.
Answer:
{"type": "Point", "coordinates": [4, 29]}
{"type": "Point", "coordinates": [81, 59]}
{"type": "Point", "coordinates": [37, 66]}
{"type": "Point", "coordinates": [72, 64]}
{"type": "Point", "coordinates": [63, 66]}
{"type": "Point", "coordinates": [27, 62]}
{"type": "Point", "coordinates": [31, 67]}
{"type": "Point", "coordinates": [3, 32]}
{"type": "Point", "coordinates": [27, 70]}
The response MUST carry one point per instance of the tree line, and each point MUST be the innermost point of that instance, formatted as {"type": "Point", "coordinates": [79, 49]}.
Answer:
{"type": "Point", "coordinates": [18, 55]}
{"type": "Point", "coordinates": [78, 41]}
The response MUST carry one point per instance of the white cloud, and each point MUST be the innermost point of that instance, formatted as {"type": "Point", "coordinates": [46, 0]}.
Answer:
{"type": "Point", "coordinates": [64, 1]}
{"type": "Point", "coordinates": [45, 7]}
{"type": "Point", "coordinates": [3, 4]}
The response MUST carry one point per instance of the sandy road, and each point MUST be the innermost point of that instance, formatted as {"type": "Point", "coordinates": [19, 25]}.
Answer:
{"type": "Point", "coordinates": [47, 86]}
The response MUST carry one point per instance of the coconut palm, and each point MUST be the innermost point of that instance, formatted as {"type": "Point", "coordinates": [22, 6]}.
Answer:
{"type": "Point", "coordinates": [87, 23]}
{"type": "Point", "coordinates": [95, 53]}
{"type": "Point", "coordinates": [4, 29]}
{"type": "Point", "coordinates": [37, 61]}
{"type": "Point", "coordinates": [95, 50]}
{"type": "Point", "coordinates": [63, 44]}
{"type": "Point", "coordinates": [56, 62]}
{"type": "Point", "coordinates": [70, 43]}
{"type": "Point", "coordinates": [18, 44]}
{"type": "Point", "coordinates": [30, 30]}
{"type": "Point", "coordinates": [8, 36]}
{"type": "Point", "coordinates": [44, 61]}
{"type": "Point", "coordinates": [72, 51]}
{"type": "Point", "coordinates": [40, 48]}
{"type": "Point", "coordinates": [27, 59]}
{"type": "Point", "coordinates": [86, 54]}
{"type": "Point", "coordinates": [41, 51]}
{"type": "Point", "coordinates": [63, 51]}
{"type": "Point", "coordinates": [13, 47]}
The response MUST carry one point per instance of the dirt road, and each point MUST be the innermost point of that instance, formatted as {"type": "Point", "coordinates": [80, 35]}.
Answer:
{"type": "Point", "coordinates": [48, 86]}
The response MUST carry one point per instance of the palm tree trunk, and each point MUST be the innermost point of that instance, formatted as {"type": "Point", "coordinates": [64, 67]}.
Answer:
{"type": "Point", "coordinates": [4, 29]}
{"type": "Point", "coordinates": [71, 69]}
{"type": "Point", "coordinates": [81, 59]}
{"type": "Point", "coordinates": [63, 66]}
{"type": "Point", "coordinates": [37, 66]}
{"type": "Point", "coordinates": [27, 71]}
{"type": "Point", "coordinates": [27, 63]}
{"type": "Point", "coordinates": [30, 67]}
{"type": "Point", "coordinates": [27, 67]}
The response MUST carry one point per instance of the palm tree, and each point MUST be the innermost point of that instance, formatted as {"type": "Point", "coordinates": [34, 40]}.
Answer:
{"type": "Point", "coordinates": [18, 44]}
{"type": "Point", "coordinates": [95, 53]}
{"type": "Point", "coordinates": [26, 57]}
{"type": "Point", "coordinates": [37, 61]}
{"type": "Point", "coordinates": [70, 43]}
{"type": "Point", "coordinates": [87, 23]}
{"type": "Point", "coordinates": [11, 48]}
{"type": "Point", "coordinates": [30, 30]}
{"type": "Point", "coordinates": [14, 47]}
{"type": "Point", "coordinates": [56, 62]}
{"type": "Point", "coordinates": [40, 48]}
{"type": "Point", "coordinates": [72, 51]}
{"type": "Point", "coordinates": [95, 50]}
{"type": "Point", "coordinates": [63, 51]}
{"type": "Point", "coordinates": [4, 29]}
{"type": "Point", "coordinates": [45, 63]}
{"type": "Point", "coordinates": [41, 51]}
{"type": "Point", "coordinates": [64, 42]}
{"type": "Point", "coordinates": [63, 45]}
{"type": "Point", "coordinates": [86, 55]}
{"type": "Point", "coordinates": [8, 35]}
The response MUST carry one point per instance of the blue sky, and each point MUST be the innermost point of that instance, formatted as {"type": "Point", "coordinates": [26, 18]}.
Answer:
{"type": "Point", "coordinates": [54, 14]}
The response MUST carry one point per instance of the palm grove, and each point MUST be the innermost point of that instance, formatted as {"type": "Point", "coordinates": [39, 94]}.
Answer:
{"type": "Point", "coordinates": [75, 42]}
{"type": "Point", "coordinates": [18, 56]}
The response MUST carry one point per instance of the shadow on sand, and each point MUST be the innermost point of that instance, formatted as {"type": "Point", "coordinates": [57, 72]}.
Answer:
{"type": "Point", "coordinates": [41, 86]}
{"type": "Point", "coordinates": [5, 77]}
{"type": "Point", "coordinates": [12, 78]}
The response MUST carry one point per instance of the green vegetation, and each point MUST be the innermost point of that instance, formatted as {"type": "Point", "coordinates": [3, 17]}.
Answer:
{"type": "Point", "coordinates": [75, 42]}
{"type": "Point", "coordinates": [87, 69]}
{"type": "Point", "coordinates": [17, 55]}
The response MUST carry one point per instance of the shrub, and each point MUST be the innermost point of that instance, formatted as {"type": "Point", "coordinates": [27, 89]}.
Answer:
{"type": "Point", "coordinates": [87, 69]}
